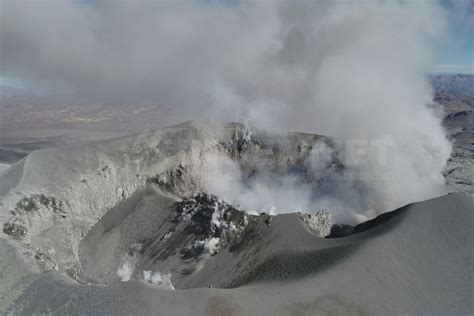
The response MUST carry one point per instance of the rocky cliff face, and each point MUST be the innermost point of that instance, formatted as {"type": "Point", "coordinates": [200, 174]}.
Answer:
{"type": "Point", "coordinates": [456, 94]}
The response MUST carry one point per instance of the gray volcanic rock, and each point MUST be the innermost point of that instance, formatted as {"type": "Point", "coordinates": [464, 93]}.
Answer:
{"type": "Point", "coordinates": [456, 94]}
{"type": "Point", "coordinates": [459, 171]}
{"type": "Point", "coordinates": [319, 222]}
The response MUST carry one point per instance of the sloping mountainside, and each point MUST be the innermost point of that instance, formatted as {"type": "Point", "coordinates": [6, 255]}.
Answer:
{"type": "Point", "coordinates": [462, 84]}
{"type": "Point", "coordinates": [456, 94]}
{"type": "Point", "coordinates": [29, 122]}
{"type": "Point", "coordinates": [415, 260]}
{"type": "Point", "coordinates": [113, 227]}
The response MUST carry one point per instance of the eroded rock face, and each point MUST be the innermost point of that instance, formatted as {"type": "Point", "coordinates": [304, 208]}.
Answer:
{"type": "Point", "coordinates": [195, 231]}
{"type": "Point", "coordinates": [319, 222]}
{"type": "Point", "coordinates": [240, 140]}
{"type": "Point", "coordinates": [212, 222]}
{"type": "Point", "coordinates": [180, 180]}
{"type": "Point", "coordinates": [16, 230]}
{"type": "Point", "coordinates": [198, 227]}
{"type": "Point", "coordinates": [459, 171]}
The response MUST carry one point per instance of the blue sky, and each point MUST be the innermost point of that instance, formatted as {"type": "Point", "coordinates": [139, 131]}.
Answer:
{"type": "Point", "coordinates": [455, 52]}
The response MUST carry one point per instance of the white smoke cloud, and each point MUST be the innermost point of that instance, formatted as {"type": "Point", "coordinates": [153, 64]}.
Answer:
{"type": "Point", "coordinates": [321, 158]}
{"type": "Point", "coordinates": [127, 267]}
{"type": "Point", "coordinates": [349, 69]}
{"type": "Point", "coordinates": [286, 193]}
{"type": "Point", "coordinates": [162, 281]}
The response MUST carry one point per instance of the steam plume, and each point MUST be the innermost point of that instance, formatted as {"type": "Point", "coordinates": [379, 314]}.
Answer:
{"type": "Point", "coordinates": [352, 70]}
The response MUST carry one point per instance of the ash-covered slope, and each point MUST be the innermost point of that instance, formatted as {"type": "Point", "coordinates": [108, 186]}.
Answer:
{"type": "Point", "coordinates": [417, 260]}
{"type": "Point", "coordinates": [201, 241]}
